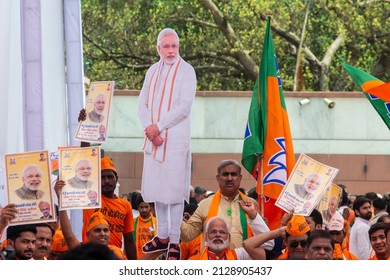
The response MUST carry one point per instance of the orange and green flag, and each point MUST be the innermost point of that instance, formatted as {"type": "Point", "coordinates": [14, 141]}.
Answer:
{"type": "Point", "coordinates": [268, 143]}
{"type": "Point", "coordinates": [376, 91]}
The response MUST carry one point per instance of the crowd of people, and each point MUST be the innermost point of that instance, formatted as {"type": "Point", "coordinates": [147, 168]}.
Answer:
{"type": "Point", "coordinates": [221, 225]}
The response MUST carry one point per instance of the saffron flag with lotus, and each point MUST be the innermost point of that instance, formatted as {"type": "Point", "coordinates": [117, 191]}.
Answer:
{"type": "Point", "coordinates": [268, 152]}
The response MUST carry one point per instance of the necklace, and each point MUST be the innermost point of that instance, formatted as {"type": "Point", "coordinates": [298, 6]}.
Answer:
{"type": "Point", "coordinates": [229, 211]}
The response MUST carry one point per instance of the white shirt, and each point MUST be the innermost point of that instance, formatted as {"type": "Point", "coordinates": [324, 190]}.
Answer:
{"type": "Point", "coordinates": [359, 241]}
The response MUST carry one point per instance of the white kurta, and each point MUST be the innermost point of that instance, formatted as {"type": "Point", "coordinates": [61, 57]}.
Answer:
{"type": "Point", "coordinates": [166, 99]}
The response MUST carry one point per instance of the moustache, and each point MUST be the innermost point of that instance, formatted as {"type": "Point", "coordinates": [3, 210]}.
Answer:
{"type": "Point", "coordinates": [217, 239]}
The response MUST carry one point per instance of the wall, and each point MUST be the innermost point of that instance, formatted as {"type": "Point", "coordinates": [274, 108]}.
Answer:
{"type": "Point", "coordinates": [350, 136]}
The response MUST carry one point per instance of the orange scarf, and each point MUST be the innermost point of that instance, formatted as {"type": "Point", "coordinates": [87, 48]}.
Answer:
{"type": "Point", "coordinates": [375, 258]}
{"type": "Point", "coordinates": [227, 255]}
{"type": "Point", "coordinates": [213, 211]}
{"type": "Point", "coordinates": [341, 253]}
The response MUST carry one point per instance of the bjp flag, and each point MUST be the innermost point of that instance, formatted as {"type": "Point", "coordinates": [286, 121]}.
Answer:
{"type": "Point", "coordinates": [376, 91]}
{"type": "Point", "coordinates": [268, 152]}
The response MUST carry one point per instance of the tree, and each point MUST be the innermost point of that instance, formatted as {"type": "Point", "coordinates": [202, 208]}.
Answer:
{"type": "Point", "coordinates": [222, 39]}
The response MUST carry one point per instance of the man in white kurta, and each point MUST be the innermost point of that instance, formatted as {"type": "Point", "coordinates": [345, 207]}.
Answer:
{"type": "Point", "coordinates": [165, 105]}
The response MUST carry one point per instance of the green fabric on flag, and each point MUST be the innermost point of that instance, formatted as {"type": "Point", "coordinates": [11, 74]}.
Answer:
{"type": "Point", "coordinates": [360, 77]}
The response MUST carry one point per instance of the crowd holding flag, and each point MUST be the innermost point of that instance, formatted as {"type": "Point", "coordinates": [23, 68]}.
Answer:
{"type": "Point", "coordinates": [376, 91]}
{"type": "Point", "coordinates": [268, 150]}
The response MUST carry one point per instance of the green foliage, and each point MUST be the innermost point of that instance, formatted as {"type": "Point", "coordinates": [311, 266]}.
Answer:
{"type": "Point", "coordinates": [120, 39]}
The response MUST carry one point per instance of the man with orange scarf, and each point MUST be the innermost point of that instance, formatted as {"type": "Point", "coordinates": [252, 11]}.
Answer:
{"type": "Point", "coordinates": [97, 228]}
{"type": "Point", "coordinates": [229, 204]}
{"type": "Point", "coordinates": [217, 242]}
{"type": "Point", "coordinates": [144, 225]}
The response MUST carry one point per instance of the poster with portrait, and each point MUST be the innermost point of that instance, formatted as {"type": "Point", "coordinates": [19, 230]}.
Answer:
{"type": "Point", "coordinates": [329, 203]}
{"type": "Point", "coordinates": [80, 169]}
{"type": "Point", "coordinates": [305, 186]}
{"type": "Point", "coordinates": [28, 186]}
{"type": "Point", "coordinates": [98, 104]}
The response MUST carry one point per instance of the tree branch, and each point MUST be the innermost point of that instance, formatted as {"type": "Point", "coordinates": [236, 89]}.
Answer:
{"type": "Point", "coordinates": [332, 50]}
{"type": "Point", "coordinates": [193, 20]}
{"type": "Point", "coordinates": [237, 49]}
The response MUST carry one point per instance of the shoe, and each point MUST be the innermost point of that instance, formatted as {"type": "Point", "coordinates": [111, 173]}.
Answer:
{"type": "Point", "coordinates": [154, 245]}
{"type": "Point", "coordinates": [173, 252]}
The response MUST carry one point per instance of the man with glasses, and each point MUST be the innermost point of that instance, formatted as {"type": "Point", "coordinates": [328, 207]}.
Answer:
{"type": "Point", "coordinates": [297, 232]}
{"type": "Point", "coordinates": [217, 242]}
{"type": "Point", "coordinates": [239, 211]}
{"type": "Point", "coordinates": [32, 179]}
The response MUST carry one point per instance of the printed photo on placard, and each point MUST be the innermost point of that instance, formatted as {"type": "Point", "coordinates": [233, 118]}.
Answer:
{"type": "Point", "coordinates": [28, 186]}
{"type": "Point", "coordinates": [305, 186]}
{"type": "Point", "coordinates": [94, 129]}
{"type": "Point", "coordinates": [329, 203]}
{"type": "Point", "coordinates": [80, 169]}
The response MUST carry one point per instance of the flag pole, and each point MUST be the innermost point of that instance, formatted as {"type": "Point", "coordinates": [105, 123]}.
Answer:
{"type": "Point", "coordinates": [260, 183]}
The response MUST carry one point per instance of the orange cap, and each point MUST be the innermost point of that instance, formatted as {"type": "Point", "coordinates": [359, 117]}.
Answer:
{"type": "Point", "coordinates": [58, 244]}
{"type": "Point", "coordinates": [107, 163]}
{"type": "Point", "coordinates": [96, 219]}
{"type": "Point", "coordinates": [297, 226]}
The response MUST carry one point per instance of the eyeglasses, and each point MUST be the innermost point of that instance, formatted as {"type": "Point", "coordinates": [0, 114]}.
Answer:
{"type": "Point", "coordinates": [220, 232]}
{"type": "Point", "coordinates": [294, 244]}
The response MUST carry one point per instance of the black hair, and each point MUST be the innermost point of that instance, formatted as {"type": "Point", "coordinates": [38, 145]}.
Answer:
{"type": "Point", "coordinates": [138, 200]}
{"type": "Point", "coordinates": [190, 208]}
{"type": "Point", "coordinates": [371, 196]}
{"type": "Point", "coordinates": [379, 204]}
{"type": "Point", "coordinates": [359, 201]}
{"type": "Point", "coordinates": [45, 225]}
{"type": "Point", "coordinates": [317, 217]}
{"type": "Point", "coordinates": [344, 195]}
{"type": "Point", "coordinates": [378, 226]}
{"type": "Point", "coordinates": [199, 190]}
{"type": "Point", "coordinates": [13, 232]}
{"type": "Point", "coordinates": [90, 251]}
{"type": "Point", "coordinates": [133, 199]}
{"type": "Point", "coordinates": [320, 233]}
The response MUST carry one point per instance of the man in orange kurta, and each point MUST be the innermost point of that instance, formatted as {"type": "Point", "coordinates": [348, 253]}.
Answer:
{"type": "Point", "coordinates": [117, 211]}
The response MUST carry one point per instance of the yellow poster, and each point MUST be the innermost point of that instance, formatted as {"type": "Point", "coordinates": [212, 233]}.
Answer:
{"type": "Point", "coordinates": [28, 186]}
{"type": "Point", "coordinates": [305, 186]}
{"type": "Point", "coordinates": [94, 128]}
{"type": "Point", "coordinates": [80, 169]}
{"type": "Point", "coordinates": [329, 203]}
